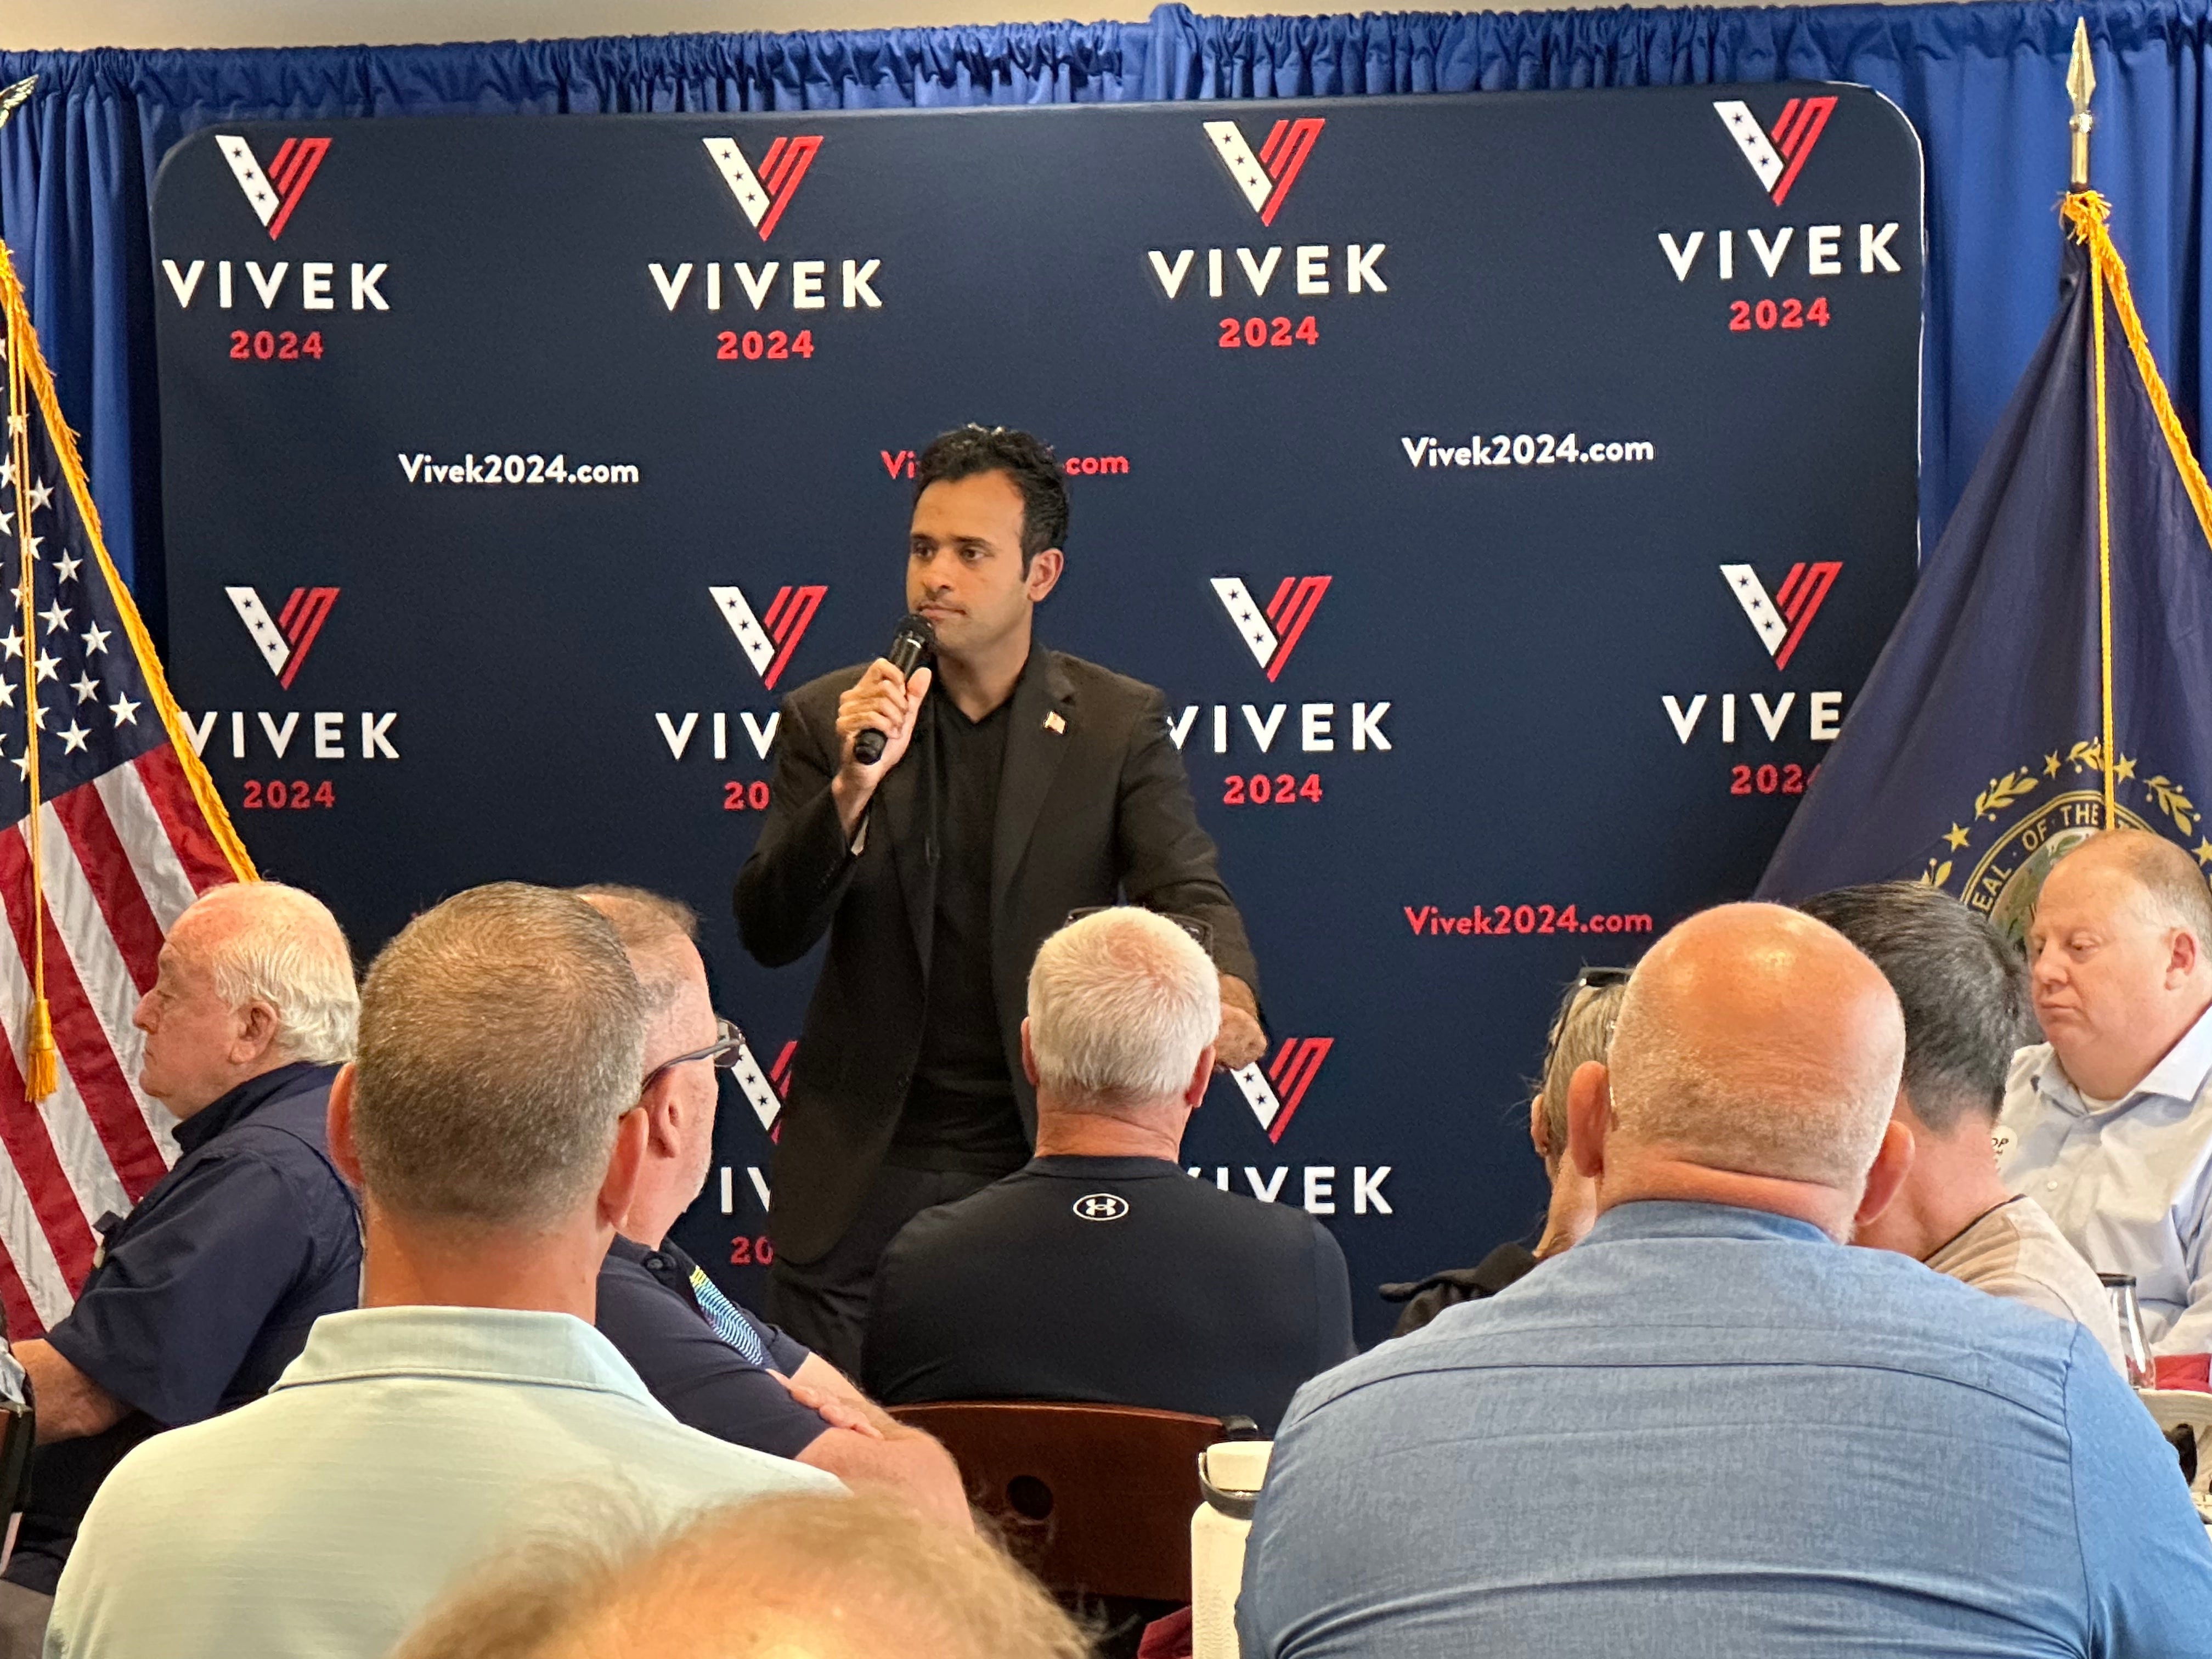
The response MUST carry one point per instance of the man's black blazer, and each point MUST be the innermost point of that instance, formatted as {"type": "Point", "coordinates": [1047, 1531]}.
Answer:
{"type": "Point", "coordinates": [1094, 808]}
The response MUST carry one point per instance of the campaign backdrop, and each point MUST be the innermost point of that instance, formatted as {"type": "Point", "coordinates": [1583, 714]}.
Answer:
{"type": "Point", "coordinates": [1508, 494]}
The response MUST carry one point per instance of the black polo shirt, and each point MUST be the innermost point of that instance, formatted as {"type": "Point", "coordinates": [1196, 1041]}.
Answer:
{"type": "Point", "coordinates": [204, 1292]}
{"type": "Point", "coordinates": [650, 1311]}
{"type": "Point", "coordinates": [1120, 1281]}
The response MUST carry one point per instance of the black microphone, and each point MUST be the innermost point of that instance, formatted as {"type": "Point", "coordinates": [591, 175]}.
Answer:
{"type": "Point", "coordinates": [916, 638]}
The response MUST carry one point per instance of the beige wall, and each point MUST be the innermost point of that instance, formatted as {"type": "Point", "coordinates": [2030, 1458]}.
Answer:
{"type": "Point", "coordinates": [81, 23]}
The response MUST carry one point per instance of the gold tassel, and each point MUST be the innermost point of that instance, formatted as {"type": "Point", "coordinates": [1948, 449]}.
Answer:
{"type": "Point", "coordinates": [42, 1059]}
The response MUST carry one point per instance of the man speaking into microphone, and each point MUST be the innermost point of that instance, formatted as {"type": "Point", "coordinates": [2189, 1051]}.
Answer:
{"type": "Point", "coordinates": [1015, 784]}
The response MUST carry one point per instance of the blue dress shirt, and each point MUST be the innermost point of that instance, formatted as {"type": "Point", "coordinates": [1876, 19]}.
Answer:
{"type": "Point", "coordinates": [2129, 1183]}
{"type": "Point", "coordinates": [1715, 1431]}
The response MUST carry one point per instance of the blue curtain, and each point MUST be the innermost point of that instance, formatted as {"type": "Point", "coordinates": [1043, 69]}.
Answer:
{"type": "Point", "coordinates": [1982, 83]}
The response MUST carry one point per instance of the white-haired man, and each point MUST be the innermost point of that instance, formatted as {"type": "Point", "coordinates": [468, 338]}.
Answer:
{"type": "Point", "coordinates": [2108, 1123]}
{"type": "Point", "coordinates": [1100, 1270]}
{"type": "Point", "coordinates": [492, 1125]}
{"type": "Point", "coordinates": [709, 1361]}
{"type": "Point", "coordinates": [1712, 1428]}
{"type": "Point", "coordinates": [203, 1293]}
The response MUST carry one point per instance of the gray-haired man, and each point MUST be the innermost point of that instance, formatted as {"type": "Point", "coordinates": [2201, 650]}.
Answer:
{"type": "Point", "coordinates": [1100, 1270]}
{"type": "Point", "coordinates": [202, 1295]}
{"type": "Point", "coordinates": [492, 1125]}
{"type": "Point", "coordinates": [1964, 994]}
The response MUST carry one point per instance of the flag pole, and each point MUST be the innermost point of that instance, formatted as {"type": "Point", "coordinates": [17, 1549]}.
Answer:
{"type": "Point", "coordinates": [2081, 82]}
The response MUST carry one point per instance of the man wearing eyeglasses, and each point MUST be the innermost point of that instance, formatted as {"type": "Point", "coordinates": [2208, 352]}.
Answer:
{"type": "Point", "coordinates": [710, 1362]}
{"type": "Point", "coordinates": [1016, 784]}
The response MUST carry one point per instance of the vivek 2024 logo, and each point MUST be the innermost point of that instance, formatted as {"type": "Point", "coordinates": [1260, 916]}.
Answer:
{"type": "Point", "coordinates": [1312, 269]}
{"type": "Point", "coordinates": [763, 197]}
{"type": "Point", "coordinates": [1780, 619]}
{"type": "Point", "coordinates": [1274, 1092]}
{"type": "Point", "coordinates": [273, 195]}
{"type": "Point", "coordinates": [1272, 635]}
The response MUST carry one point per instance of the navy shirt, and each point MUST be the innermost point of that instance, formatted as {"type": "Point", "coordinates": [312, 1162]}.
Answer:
{"type": "Point", "coordinates": [1117, 1279]}
{"type": "Point", "coordinates": [204, 1292]}
{"type": "Point", "coordinates": [649, 1310]}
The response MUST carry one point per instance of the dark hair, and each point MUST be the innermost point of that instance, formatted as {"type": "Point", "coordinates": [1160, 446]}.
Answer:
{"type": "Point", "coordinates": [1027, 460]}
{"type": "Point", "coordinates": [1963, 987]}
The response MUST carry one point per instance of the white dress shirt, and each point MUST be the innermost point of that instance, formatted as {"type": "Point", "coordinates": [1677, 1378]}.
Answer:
{"type": "Point", "coordinates": [400, 1446]}
{"type": "Point", "coordinates": [2129, 1184]}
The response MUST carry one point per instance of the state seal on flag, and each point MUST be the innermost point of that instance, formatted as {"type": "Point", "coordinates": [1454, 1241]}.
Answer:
{"type": "Point", "coordinates": [2026, 821]}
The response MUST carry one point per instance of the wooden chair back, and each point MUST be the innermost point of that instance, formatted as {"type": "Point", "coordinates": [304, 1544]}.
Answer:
{"type": "Point", "coordinates": [1095, 1500]}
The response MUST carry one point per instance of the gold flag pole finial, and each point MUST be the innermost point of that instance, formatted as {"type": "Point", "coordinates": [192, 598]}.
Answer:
{"type": "Point", "coordinates": [10, 97]}
{"type": "Point", "coordinates": [2081, 82]}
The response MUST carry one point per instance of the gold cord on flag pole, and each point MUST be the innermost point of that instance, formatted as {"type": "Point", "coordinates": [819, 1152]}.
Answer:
{"type": "Point", "coordinates": [2104, 544]}
{"type": "Point", "coordinates": [41, 1058]}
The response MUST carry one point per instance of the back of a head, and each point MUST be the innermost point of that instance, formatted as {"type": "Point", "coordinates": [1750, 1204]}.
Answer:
{"type": "Point", "coordinates": [502, 1035]}
{"type": "Point", "coordinates": [277, 944]}
{"type": "Point", "coordinates": [1963, 988]}
{"type": "Point", "coordinates": [2171, 887]}
{"type": "Point", "coordinates": [1121, 1004]}
{"type": "Point", "coordinates": [828, 1577]}
{"type": "Point", "coordinates": [1582, 1031]}
{"type": "Point", "coordinates": [1758, 1041]}
{"type": "Point", "coordinates": [655, 929]}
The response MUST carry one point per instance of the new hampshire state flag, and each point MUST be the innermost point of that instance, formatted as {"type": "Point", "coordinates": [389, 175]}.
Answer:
{"type": "Point", "coordinates": [2065, 618]}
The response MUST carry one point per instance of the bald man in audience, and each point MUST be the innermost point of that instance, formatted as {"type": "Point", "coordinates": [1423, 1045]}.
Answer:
{"type": "Point", "coordinates": [711, 1362]}
{"type": "Point", "coordinates": [780, 1578]}
{"type": "Point", "coordinates": [1710, 1428]}
{"type": "Point", "coordinates": [492, 1124]}
{"type": "Point", "coordinates": [202, 1295]}
{"type": "Point", "coordinates": [2107, 1123]}
{"type": "Point", "coordinates": [1964, 994]}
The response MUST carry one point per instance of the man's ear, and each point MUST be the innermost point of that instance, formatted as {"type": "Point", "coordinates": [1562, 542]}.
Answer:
{"type": "Point", "coordinates": [2182, 962]}
{"type": "Point", "coordinates": [625, 1166]}
{"type": "Point", "coordinates": [1029, 1054]}
{"type": "Point", "coordinates": [256, 1032]}
{"type": "Point", "coordinates": [661, 1105]}
{"type": "Point", "coordinates": [1540, 1131]}
{"type": "Point", "coordinates": [1893, 1159]}
{"type": "Point", "coordinates": [1043, 574]}
{"type": "Point", "coordinates": [1590, 1117]}
{"type": "Point", "coordinates": [1194, 1092]}
{"type": "Point", "coordinates": [339, 1126]}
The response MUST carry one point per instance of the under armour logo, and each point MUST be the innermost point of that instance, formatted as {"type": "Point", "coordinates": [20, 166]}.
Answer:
{"type": "Point", "coordinates": [1102, 1206]}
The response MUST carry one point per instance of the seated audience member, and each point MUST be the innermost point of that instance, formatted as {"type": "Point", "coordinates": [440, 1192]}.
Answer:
{"type": "Point", "coordinates": [1712, 1429]}
{"type": "Point", "coordinates": [203, 1293]}
{"type": "Point", "coordinates": [490, 1123]}
{"type": "Point", "coordinates": [784, 1578]}
{"type": "Point", "coordinates": [1580, 1032]}
{"type": "Point", "coordinates": [710, 1362]}
{"type": "Point", "coordinates": [2107, 1124]}
{"type": "Point", "coordinates": [1100, 1270]}
{"type": "Point", "coordinates": [1963, 991]}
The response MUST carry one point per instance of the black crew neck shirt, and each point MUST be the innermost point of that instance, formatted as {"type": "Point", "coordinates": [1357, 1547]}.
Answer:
{"type": "Point", "coordinates": [960, 1112]}
{"type": "Point", "coordinates": [1114, 1280]}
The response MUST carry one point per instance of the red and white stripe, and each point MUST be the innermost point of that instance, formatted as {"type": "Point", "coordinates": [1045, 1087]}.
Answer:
{"type": "Point", "coordinates": [120, 859]}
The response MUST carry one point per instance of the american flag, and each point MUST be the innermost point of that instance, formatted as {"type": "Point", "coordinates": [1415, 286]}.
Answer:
{"type": "Point", "coordinates": [128, 831]}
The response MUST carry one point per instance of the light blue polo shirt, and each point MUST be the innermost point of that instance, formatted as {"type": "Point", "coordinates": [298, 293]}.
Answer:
{"type": "Point", "coordinates": [1714, 1432]}
{"type": "Point", "coordinates": [400, 1446]}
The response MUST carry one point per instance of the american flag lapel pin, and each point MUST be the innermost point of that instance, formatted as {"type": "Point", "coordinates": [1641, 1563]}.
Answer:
{"type": "Point", "coordinates": [1054, 723]}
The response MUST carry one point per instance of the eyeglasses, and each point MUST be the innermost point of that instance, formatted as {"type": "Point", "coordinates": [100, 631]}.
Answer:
{"type": "Point", "coordinates": [1200, 931]}
{"type": "Point", "coordinates": [1586, 983]}
{"type": "Point", "coordinates": [729, 1041]}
